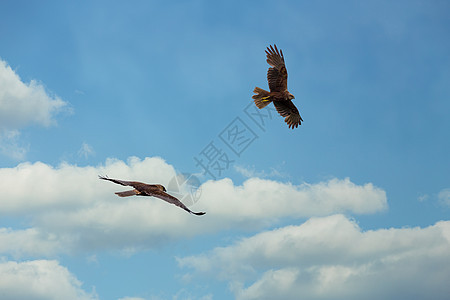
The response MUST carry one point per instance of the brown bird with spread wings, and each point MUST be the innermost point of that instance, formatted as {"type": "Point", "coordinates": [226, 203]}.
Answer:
{"type": "Point", "coordinates": [279, 95]}
{"type": "Point", "coordinates": [155, 190]}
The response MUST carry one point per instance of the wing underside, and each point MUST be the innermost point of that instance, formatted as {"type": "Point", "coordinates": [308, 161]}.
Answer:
{"type": "Point", "coordinates": [277, 74]}
{"type": "Point", "coordinates": [288, 110]}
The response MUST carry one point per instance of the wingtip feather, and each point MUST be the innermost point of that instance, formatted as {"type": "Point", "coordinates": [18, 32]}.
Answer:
{"type": "Point", "coordinates": [199, 213]}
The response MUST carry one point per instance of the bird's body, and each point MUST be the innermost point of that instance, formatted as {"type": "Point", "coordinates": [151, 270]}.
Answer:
{"type": "Point", "coordinates": [279, 94]}
{"type": "Point", "coordinates": [155, 190]}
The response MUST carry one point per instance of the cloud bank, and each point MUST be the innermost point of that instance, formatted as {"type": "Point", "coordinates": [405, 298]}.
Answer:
{"type": "Point", "coordinates": [69, 209]}
{"type": "Point", "coordinates": [40, 279]}
{"type": "Point", "coordinates": [331, 258]}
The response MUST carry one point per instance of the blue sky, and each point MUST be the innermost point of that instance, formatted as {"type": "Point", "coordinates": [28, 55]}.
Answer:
{"type": "Point", "coordinates": [352, 204]}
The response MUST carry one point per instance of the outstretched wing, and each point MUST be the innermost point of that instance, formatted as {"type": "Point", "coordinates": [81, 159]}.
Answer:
{"type": "Point", "coordinates": [277, 75]}
{"type": "Point", "coordinates": [288, 110]}
{"type": "Point", "coordinates": [148, 190]}
{"type": "Point", "coordinates": [135, 184]}
{"type": "Point", "coordinates": [171, 199]}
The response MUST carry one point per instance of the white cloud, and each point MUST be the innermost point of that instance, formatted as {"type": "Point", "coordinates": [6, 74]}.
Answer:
{"type": "Point", "coordinates": [260, 199]}
{"type": "Point", "coordinates": [70, 209]}
{"type": "Point", "coordinates": [444, 197]}
{"type": "Point", "coordinates": [22, 104]}
{"type": "Point", "coordinates": [38, 186]}
{"type": "Point", "coordinates": [423, 198]}
{"type": "Point", "coordinates": [10, 145]}
{"type": "Point", "coordinates": [40, 279]}
{"type": "Point", "coordinates": [86, 150]}
{"type": "Point", "coordinates": [252, 172]}
{"type": "Point", "coordinates": [29, 242]}
{"type": "Point", "coordinates": [331, 258]}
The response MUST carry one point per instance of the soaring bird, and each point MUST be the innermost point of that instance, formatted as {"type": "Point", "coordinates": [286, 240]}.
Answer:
{"type": "Point", "coordinates": [279, 95]}
{"type": "Point", "coordinates": [155, 190]}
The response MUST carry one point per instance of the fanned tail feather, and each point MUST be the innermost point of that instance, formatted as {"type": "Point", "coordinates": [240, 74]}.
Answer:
{"type": "Point", "coordinates": [262, 98]}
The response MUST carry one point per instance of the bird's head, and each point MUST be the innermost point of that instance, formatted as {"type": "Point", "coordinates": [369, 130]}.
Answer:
{"type": "Point", "coordinates": [290, 96]}
{"type": "Point", "coordinates": [161, 188]}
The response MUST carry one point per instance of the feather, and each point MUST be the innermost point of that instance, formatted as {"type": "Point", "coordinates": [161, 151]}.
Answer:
{"type": "Point", "coordinates": [288, 110]}
{"type": "Point", "coordinates": [127, 193]}
{"type": "Point", "coordinates": [262, 97]}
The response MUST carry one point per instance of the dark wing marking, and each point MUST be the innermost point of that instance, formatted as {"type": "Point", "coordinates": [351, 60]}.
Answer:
{"type": "Point", "coordinates": [171, 199]}
{"type": "Point", "coordinates": [277, 75]}
{"type": "Point", "coordinates": [288, 110]}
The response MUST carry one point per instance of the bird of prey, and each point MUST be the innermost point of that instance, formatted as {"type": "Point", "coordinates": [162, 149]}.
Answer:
{"type": "Point", "coordinates": [155, 190]}
{"type": "Point", "coordinates": [279, 95]}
